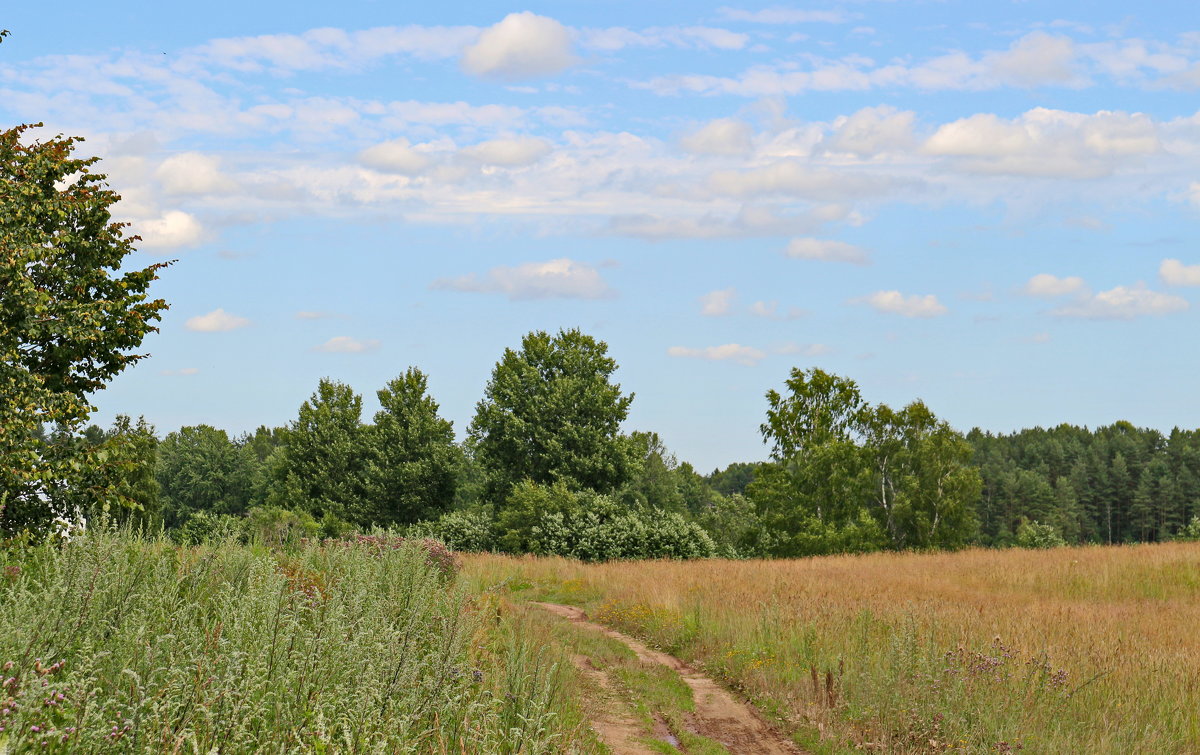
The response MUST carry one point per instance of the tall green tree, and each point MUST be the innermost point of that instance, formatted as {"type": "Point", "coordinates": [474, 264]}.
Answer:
{"type": "Point", "coordinates": [69, 318]}
{"type": "Point", "coordinates": [413, 459]}
{"type": "Point", "coordinates": [200, 470]}
{"type": "Point", "coordinates": [811, 496]}
{"type": "Point", "coordinates": [323, 460]}
{"type": "Point", "coordinates": [550, 414]}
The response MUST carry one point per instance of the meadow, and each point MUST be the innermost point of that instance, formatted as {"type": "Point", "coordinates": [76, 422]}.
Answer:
{"type": "Point", "coordinates": [113, 643]}
{"type": "Point", "coordinates": [1089, 649]}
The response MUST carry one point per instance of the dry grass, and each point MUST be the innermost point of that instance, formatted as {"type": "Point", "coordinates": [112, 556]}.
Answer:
{"type": "Point", "coordinates": [1067, 650]}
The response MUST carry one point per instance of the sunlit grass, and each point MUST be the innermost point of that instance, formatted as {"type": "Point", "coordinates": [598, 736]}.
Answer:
{"type": "Point", "coordinates": [1066, 650]}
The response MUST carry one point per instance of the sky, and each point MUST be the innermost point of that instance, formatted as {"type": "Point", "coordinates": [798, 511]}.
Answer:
{"type": "Point", "coordinates": [988, 206]}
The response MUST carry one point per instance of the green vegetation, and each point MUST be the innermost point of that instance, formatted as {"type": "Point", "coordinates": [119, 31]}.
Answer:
{"type": "Point", "coordinates": [68, 320]}
{"type": "Point", "coordinates": [113, 643]}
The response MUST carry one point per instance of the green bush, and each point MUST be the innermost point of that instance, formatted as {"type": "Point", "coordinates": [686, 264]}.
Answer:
{"type": "Point", "coordinates": [469, 530]}
{"type": "Point", "coordinates": [276, 526]}
{"type": "Point", "coordinates": [204, 527]}
{"type": "Point", "coordinates": [1031, 534]}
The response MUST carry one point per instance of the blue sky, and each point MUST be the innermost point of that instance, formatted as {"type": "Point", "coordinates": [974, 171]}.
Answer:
{"type": "Point", "coordinates": [989, 206]}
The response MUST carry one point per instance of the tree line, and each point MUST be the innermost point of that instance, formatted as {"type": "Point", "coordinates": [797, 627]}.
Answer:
{"type": "Point", "coordinates": [544, 466]}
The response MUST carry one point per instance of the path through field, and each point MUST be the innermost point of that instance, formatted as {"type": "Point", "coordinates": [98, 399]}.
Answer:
{"type": "Point", "coordinates": [719, 716]}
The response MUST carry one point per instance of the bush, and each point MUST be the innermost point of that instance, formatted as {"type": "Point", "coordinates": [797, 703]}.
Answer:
{"type": "Point", "coordinates": [1190, 531]}
{"type": "Point", "coordinates": [204, 527]}
{"type": "Point", "coordinates": [470, 530]}
{"type": "Point", "coordinates": [275, 526]}
{"type": "Point", "coordinates": [1031, 534]}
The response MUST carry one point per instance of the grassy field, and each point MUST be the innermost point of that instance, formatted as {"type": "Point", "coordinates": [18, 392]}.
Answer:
{"type": "Point", "coordinates": [1067, 650]}
{"type": "Point", "coordinates": [115, 644]}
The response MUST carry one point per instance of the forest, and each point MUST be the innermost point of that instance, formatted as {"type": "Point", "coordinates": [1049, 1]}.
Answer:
{"type": "Point", "coordinates": [545, 468]}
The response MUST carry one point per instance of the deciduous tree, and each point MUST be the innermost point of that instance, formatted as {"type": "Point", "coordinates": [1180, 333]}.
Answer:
{"type": "Point", "coordinates": [70, 318]}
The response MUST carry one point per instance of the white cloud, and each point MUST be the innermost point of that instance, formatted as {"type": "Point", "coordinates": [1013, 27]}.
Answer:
{"type": "Point", "coordinates": [827, 250]}
{"type": "Point", "coordinates": [171, 230]}
{"type": "Point", "coordinates": [616, 38]}
{"type": "Point", "coordinates": [872, 131]}
{"type": "Point", "coordinates": [395, 156]}
{"type": "Point", "coordinates": [316, 315]}
{"type": "Point", "coordinates": [798, 178]}
{"type": "Point", "coordinates": [896, 303]}
{"type": "Point", "coordinates": [1048, 286]}
{"type": "Point", "coordinates": [217, 321]}
{"type": "Point", "coordinates": [520, 46]}
{"type": "Point", "coordinates": [747, 355]}
{"type": "Point", "coordinates": [770, 310]}
{"type": "Point", "coordinates": [803, 349]}
{"type": "Point", "coordinates": [192, 173]}
{"type": "Point", "coordinates": [1175, 273]}
{"type": "Point", "coordinates": [724, 136]}
{"type": "Point", "coordinates": [182, 372]}
{"type": "Point", "coordinates": [1123, 303]}
{"type": "Point", "coordinates": [780, 15]}
{"type": "Point", "coordinates": [716, 303]}
{"type": "Point", "coordinates": [1046, 143]}
{"type": "Point", "coordinates": [347, 345]}
{"type": "Point", "coordinates": [509, 153]}
{"type": "Point", "coordinates": [555, 279]}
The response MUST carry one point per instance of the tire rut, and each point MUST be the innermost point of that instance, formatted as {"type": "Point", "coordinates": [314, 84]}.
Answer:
{"type": "Point", "coordinates": [719, 715]}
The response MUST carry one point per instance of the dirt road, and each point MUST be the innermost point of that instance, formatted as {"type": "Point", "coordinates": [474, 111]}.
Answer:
{"type": "Point", "coordinates": [719, 716]}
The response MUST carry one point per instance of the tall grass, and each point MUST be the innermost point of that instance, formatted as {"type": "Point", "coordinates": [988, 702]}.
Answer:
{"type": "Point", "coordinates": [116, 644]}
{"type": "Point", "coordinates": [1068, 650]}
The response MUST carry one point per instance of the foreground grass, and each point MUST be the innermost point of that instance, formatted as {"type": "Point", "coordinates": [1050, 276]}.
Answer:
{"type": "Point", "coordinates": [1068, 650]}
{"type": "Point", "coordinates": [115, 644]}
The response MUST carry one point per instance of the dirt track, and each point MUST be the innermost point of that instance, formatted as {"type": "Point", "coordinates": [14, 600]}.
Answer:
{"type": "Point", "coordinates": [719, 716]}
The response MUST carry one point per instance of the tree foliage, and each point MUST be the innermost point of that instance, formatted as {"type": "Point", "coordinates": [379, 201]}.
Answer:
{"type": "Point", "coordinates": [201, 470]}
{"type": "Point", "coordinates": [69, 318]}
{"type": "Point", "coordinates": [321, 468]}
{"type": "Point", "coordinates": [412, 456]}
{"type": "Point", "coordinates": [550, 414]}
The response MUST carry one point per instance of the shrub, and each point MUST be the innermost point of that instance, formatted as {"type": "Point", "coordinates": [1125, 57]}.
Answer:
{"type": "Point", "coordinates": [276, 526]}
{"type": "Point", "coordinates": [1031, 534]}
{"type": "Point", "coordinates": [469, 530]}
{"type": "Point", "coordinates": [205, 527]}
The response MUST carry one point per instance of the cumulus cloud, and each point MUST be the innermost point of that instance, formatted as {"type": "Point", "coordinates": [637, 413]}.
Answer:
{"type": "Point", "coordinates": [803, 349]}
{"type": "Point", "coordinates": [724, 136]}
{"type": "Point", "coordinates": [395, 156]}
{"type": "Point", "coordinates": [896, 303]}
{"type": "Point", "coordinates": [716, 303]}
{"type": "Point", "coordinates": [1045, 285]}
{"type": "Point", "coordinates": [509, 153]}
{"type": "Point", "coordinates": [192, 173]}
{"type": "Point", "coordinates": [522, 45]}
{"type": "Point", "coordinates": [316, 315]}
{"type": "Point", "coordinates": [747, 355]}
{"type": "Point", "coordinates": [827, 250]}
{"type": "Point", "coordinates": [556, 279]}
{"type": "Point", "coordinates": [770, 310]}
{"type": "Point", "coordinates": [873, 131]}
{"type": "Point", "coordinates": [798, 178]}
{"type": "Point", "coordinates": [1175, 273]}
{"type": "Point", "coordinates": [217, 321]}
{"type": "Point", "coordinates": [1123, 303]}
{"type": "Point", "coordinates": [173, 229]}
{"type": "Point", "coordinates": [347, 345]}
{"type": "Point", "coordinates": [182, 372]}
{"type": "Point", "coordinates": [1046, 143]}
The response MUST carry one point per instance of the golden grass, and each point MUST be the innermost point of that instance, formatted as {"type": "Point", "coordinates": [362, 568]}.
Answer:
{"type": "Point", "coordinates": [1066, 650]}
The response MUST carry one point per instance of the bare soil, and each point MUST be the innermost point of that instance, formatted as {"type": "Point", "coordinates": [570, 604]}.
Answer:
{"type": "Point", "coordinates": [719, 715]}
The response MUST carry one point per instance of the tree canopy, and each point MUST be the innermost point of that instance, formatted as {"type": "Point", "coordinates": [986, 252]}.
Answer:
{"type": "Point", "coordinates": [69, 318]}
{"type": "Point", "coordinates": [551, 414]}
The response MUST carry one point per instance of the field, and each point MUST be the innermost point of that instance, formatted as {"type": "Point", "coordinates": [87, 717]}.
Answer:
{"type": "Point", "coordinates": [117, 644]}
{"type": "Point", "coordinates": [1065, 650]}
